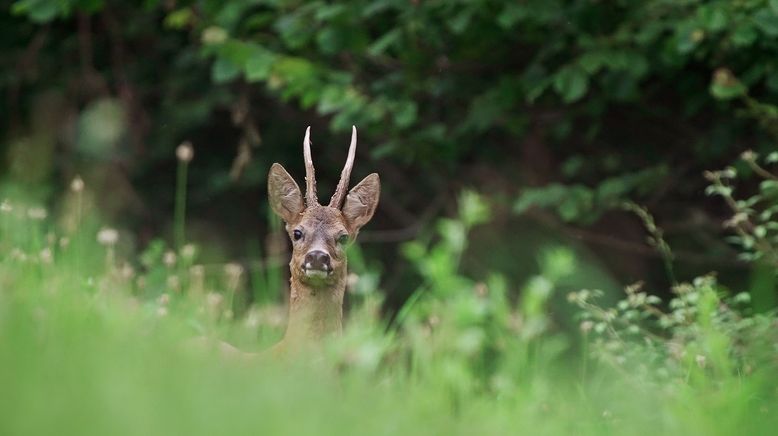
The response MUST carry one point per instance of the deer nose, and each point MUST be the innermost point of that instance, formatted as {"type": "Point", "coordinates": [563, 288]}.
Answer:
{"type": "Point", "coordinates": [317, 260]}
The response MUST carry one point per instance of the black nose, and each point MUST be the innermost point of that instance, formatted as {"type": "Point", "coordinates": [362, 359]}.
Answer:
{"type": "Point", "coordinates": [317, 260]}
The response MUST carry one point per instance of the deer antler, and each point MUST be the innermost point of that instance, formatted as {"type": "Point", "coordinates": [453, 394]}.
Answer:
{"type": "Point", "coordinates": [310, 174]}
{"type": "Point", "coordinates": [345, 175]}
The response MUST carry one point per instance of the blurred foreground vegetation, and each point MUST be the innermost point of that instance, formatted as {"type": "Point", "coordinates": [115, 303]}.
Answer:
{"type": "Point", "coordinates": [577, 229]}
{"type": "Point", "coordinates": [90, 345]}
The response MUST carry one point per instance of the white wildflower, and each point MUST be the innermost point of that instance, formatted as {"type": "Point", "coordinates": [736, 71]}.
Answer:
{"type": "Point", "coordinates": [77, 185]}
{"type": "Point", "coordinates": [46, 256]}
{"type": "Point", "coordinates": [189, 251]}
{"type": "Point", "coordinates": [169, 259]}
{"type": "Point", "coordinates": [37, 213]}
{"type": "Point", "coordinates": [185, 152]}
{"type": "Point", "coordinates": [213, 300]}
{"type": "Point", "coordinates": [107, 236]}
{"type": "Point", "coordinates": [173, 283]}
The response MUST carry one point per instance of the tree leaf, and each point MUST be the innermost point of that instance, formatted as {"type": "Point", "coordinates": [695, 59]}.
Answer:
{"type": "Point", "coordinates": [39, 11]}
{"type": "Point", "coordinates": [224, 70]}
{"type": "Point", "coordinates": [384, 42]}
{"type": "Point", "coordinates": [571, 83]}
{"type": "Point", "coordinates": [259, 66]}
{"type": "Point", "coordinates": [767, 21]}
{"type": "Point", "coordinates": [773, 6]}
{"type": "Point", "coordinates": [727, 91]}
{"type": "Point", "coordinates": [744, 35]}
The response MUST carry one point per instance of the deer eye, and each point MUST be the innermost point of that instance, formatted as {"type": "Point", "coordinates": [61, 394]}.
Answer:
{"type": "Point", "coordinates": [343, 239]}
{"type": "Point", "coordinates": [297, 234]}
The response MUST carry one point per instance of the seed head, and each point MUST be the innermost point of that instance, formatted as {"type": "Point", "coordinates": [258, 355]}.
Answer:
{"type": "Point", "coordinates": [169, 259]}
{"type": "Point", "coordinates": [37, 213]}
{"type": "Point", "coordinates": [736, 220]}
{"type": "Point", "coordinates": [724, 77]}
{"type": "Point", "coordinates": [185, 152]}
{"type": "Point", "coordinates": [5, 207]}
{"type": "Point", "coordinates": [197, 271]}
{"type": "Point", "coordinates": [173, 283]}
{"type": "Point", "coordinates": [188, 251]}
{"type": "Point", "coordinates": [481, 289]}
{"type": "Point", "coordinates": [351, 281]}
{"type": "Point", "coordinates": [213, 300]}
{"type": "Point", "coordinates": [127, 272]}
{"type": "Point", "coordinates": [46, 256]}
{"type": "Point", "coordinates": [77, 185]}
{"type": "Point", "coordinates": [252, 320]}
{"type": "Point", "coordinates": [233, 272]}
{"type": "Point", "coordinates": [749, 156]}
{"type": "Point", "coordinates": [17, 254]}
{"type": "Point", "coordinates": [107, 236]}
{"type": "Point", "coordinates": [213, 35]}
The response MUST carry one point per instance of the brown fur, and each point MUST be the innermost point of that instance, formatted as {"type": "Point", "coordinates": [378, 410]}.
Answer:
{"type": "Point", "coordinates": [316, 303]}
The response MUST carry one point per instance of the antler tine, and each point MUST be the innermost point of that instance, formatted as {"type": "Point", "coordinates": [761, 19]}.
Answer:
{"type": "Point", "coordinates": [310, 174]}
{"type": "Point", "coordinates": [345, 175]}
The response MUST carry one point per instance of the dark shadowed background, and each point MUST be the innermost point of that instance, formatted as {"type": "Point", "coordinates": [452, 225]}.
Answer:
{"type": "Point", "coordinates": [558, 112]}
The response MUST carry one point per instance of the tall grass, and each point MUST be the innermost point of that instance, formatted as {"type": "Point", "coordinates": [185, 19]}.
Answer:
{"type": "Point", "coordinates": [98, 350]}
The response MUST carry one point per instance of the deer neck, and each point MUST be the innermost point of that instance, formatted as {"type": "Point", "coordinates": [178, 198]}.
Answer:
{"type": "Point", "coordinates": [315, 312]}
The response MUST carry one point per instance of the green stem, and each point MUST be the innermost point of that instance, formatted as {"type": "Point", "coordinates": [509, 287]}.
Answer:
{"type": "Point", "coordinates": [180, 210]}
{"type": "Point", "coordinates": [77, 234]}
{"type": "Point", "coordinates": [6, 236]}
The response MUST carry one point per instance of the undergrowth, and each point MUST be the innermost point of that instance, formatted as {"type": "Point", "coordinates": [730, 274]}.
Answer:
{"type": "Point", "coordinates": [90, 342]}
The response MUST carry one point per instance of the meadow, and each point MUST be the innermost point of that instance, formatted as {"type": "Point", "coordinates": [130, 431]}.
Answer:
{"type": "Point", "coordinates": [93, 343]}
{"type": "Point", "coordinates": [576, 231]}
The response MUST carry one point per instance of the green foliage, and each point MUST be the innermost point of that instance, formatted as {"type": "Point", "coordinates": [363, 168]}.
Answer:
{"type": "Point", "coordinates": [594, 103]}
{"type": "Point", "coordinates": [583, 204]}
{"type": "Point", "coordinates": [704, 333]}
{"type": "Point", "coordinates": [473, 324]}
{"type": "Point", "coordinates": [429, 82]}
{"type": "Point", "coordinates": [461, 358]}
{"type": "Point", "coordinates": [753, 219]}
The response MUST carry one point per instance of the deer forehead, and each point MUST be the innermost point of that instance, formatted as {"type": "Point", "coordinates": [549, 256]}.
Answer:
{"type": "Point", "coordinates": [323, 219]}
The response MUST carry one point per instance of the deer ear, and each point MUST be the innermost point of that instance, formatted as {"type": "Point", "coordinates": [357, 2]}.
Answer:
{"type": "Point", "coordinates": [361, 202]}
{"type": "Point", "coordinates": [285, 196]}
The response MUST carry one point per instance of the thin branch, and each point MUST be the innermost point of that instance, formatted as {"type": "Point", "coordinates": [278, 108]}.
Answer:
{"type": "Point", "coordinates": [85, 50]}
{"type": "Point", "coordinates": [406, 233]}
{"type": "Point", "coordinates": [758, 169]}
{"type": "Point", "coordinates": [25, 64]}
{"type": "Point", "coordinates": [124, 87]}
{"type": "Point", "coordinates": [629, 246]}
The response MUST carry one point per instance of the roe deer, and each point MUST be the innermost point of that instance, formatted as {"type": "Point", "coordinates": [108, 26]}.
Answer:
{"type": "Point", "coordinates": [319, 237]}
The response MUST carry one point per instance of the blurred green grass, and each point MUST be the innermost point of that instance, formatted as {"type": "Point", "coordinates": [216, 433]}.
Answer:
{"type": "Point", "coordinates": [86, 350]}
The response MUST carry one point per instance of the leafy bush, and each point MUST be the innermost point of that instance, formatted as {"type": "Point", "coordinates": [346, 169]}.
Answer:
{"type": "Point", "coordinates": [554, 89]}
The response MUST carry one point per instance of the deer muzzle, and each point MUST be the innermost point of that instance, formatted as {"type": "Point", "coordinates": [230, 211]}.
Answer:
{"type": "Point", "coordinates": [317, 264]}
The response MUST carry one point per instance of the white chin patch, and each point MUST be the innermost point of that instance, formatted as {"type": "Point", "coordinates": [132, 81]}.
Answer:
{"type": "Point", "coordinates": [315, 273]}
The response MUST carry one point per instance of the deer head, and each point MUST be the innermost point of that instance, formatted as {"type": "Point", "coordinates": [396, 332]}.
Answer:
{"type": "Point", "coordinates": [320, 235]}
